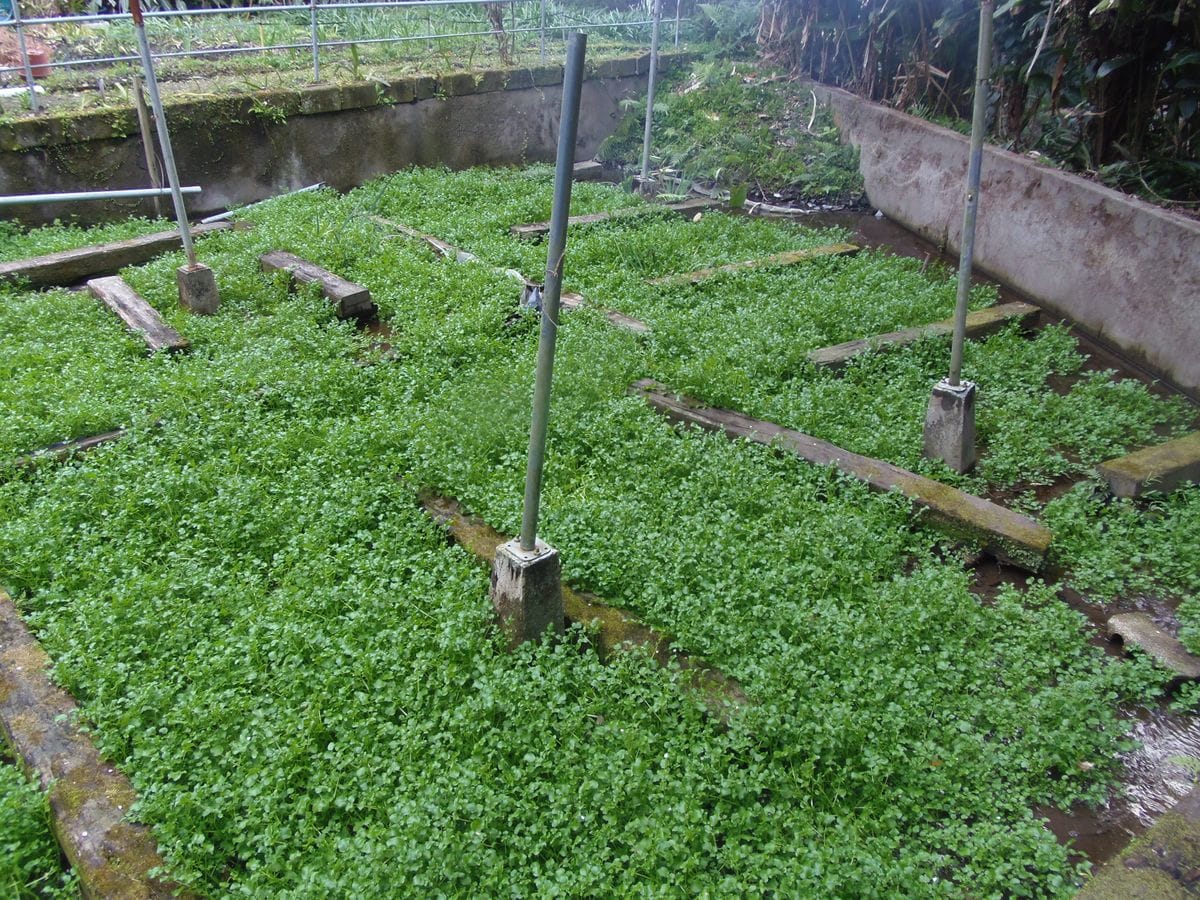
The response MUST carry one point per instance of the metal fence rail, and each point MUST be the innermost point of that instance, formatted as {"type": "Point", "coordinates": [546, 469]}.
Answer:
{"type": "Point", "coordinates": [313, 11]}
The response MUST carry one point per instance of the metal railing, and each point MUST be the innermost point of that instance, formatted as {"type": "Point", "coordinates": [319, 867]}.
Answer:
{"type": "Point", "coordinates": [314, 12]}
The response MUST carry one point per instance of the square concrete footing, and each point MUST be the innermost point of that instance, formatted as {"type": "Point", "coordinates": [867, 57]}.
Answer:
{"type": "Point", "coordinates": [526, 591]}
{"type": "Point", "coordinates": [950, 425]}
{"type": "Point", "coordinates": [198, 289]}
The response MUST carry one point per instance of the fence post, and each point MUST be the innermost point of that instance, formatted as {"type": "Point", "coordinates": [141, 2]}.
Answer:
{"type": "Point", "coordinates": [678, 3]}
{"type": "Point", "coordinates": [33, 100]}
{"type": "Point", "coordinates": [650, 86]}
{"type": "Point", "coordinates": [316, 56]}
{"type": "Point", "coordinates": [542, 31]}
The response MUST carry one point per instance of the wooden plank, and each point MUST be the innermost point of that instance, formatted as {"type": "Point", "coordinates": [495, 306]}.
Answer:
{"type": "Point", "coordinates": [787, 258]}
{"type": "Point", "coordinates": [64, 450]}
{"type": "Point", "coordinates": [979, 324]}
{"type": "Point", "coordinates": [138, 315]}
{"type": "Point", "coordinates": [73, 266]}
{"type": "Point", "coordinates": [89, 798]}
{"type": "Point", "coordinates": [567, 301]}
{"type": "Point", "coordinates": [616, 629]}
{"type": "Point", "coordinates": [1010, 536]}
{"type": "Point", "coordinates": [571, 302]}
{"type": "Point", "coordinates": [535, 231]}
{"type": "Point", "coordinates": [352, 300]}
{"type": "Point", "coordinates": [1161, 468]}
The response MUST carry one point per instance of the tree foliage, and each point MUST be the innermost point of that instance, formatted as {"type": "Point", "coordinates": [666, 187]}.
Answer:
{"type": "Point", "coordinates": [1111, 87]}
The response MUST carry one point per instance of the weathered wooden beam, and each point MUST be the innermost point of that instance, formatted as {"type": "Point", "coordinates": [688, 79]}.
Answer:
{"type": "Point", "coordinates": [353, 301]}
{"type": "Point", "coordinates": [534, 231]}
{"type": "Point", "coordinates": [615, 628]}
{"type": "Point", "coordinates": [1161, 468]}
{"type": "Point", "coordinates": [567, 301]}
{"type": "Point", "coordinates": [787, 258]}
{"type": "Point", "coordinates": [1008, 535]}
{"type": "Point", "coordinates": [73, 266]}
{"type": "Point", "coordinates": [89, 798]}
{"type": "Point", "coordinates": [64, 450]}
{"type": "Point", "coordinates": [138, 315]}
{"type": "Point", "coordinates": [979, 324]}
{"type": "Point", "coordinates": [618, 319]}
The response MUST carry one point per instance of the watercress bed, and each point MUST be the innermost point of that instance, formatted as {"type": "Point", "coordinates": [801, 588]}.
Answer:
{"type": "Point", "coordinates": [300, 675]}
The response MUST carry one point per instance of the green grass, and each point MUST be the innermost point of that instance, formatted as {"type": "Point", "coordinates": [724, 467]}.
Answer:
{"type": "Point", "coordinates": [299, 673]}
{"type": "Point", "coordinates": [739, 126]}
{"type": "Point", "coordinates": [30, 866]}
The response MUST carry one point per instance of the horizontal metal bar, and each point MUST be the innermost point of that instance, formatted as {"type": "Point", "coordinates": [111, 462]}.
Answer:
{"type": "Point", "coordinates": [220, 217]}
{"type": "Point", "coordinates": [248, 11]}
{"type": "Point", "coordinates": [71, 197]}
{"type": "Point", "coordinates": [232, 51]}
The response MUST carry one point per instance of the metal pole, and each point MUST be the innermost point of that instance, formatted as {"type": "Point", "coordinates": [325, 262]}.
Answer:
{"type": "Point", "coordinates": [650, 85]}
{"type": "Point", "coordinates": [72, 196]}
{"type": "Point", "coordinates": [974, 167]}
{"type": "Point", "coordinates": [567, 131]}
{"type": "Point", "coordinates": [33, 100]}
{"type": "Point", "coordinates": [143, 116]}
{"type": "Point", "coordinates": [164, 137]}
{"type": "Point", "coordinates": [312, 21]}
{"type": "Point", "coordinates": [542, 31]}
{"type": "Point", "coordinates": [678, 3]}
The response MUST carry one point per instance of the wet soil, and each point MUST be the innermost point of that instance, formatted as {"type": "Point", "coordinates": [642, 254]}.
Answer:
{"type": "Point", "coordinates": [1158, 773]}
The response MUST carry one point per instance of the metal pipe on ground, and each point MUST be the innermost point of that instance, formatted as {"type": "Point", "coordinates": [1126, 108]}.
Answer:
{"type": "Point", "coordinates": [71, 197]}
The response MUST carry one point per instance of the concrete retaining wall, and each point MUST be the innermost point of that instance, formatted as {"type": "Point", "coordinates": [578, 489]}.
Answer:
{"type": "Point", "coordinates": [1126, 271]}
{"type": "Point", "coordinates": [245, 148]}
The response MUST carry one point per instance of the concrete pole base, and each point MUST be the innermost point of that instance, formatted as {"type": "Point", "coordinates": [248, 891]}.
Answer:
{"type": "Point", "coordinates": [526, 591]}
{"type": "Point", "coordinates": [950, 425]}
{"type": "Point", "coordinates": [198, 289]}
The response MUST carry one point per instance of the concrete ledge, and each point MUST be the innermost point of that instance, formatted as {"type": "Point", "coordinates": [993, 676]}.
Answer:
{"type": "Point", "coordinates": [979, 324]}
{"type": "Point", "coordinates": [249, 147]}
{"type": "Point", "coordinates": [1139, 630]}
{"type": "Point", "coordinates": [788, 258]}
{"type": "Point", "coordinates": [1127, 272]}
{"type": "Point", "coordinates": [89, 798]}
{"type": "Point", "coordinates": [1009, 536]}
{"type": "Point", "coordinates": [1161, 468]}
{"type": "Point", "coordinates": [71, 266]}
{"type": "Point", "coordinates": [1162, 864]}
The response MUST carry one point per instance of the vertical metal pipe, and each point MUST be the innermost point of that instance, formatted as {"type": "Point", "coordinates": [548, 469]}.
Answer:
{"type": "Point", "coordinates": [542, 31]}
{"type": "Point", "coordinates": [678, 3]}
{"type": "Point", "coordinates": [568, 130]}
{"type": "Point", "coordinates": [650, 86]}
{"type": "Point", "coordinates": [143, 116]}
{"type": "Point", "coordinates": [33, 100]}
{"type": "Point", "coordinates": [974, 168]}
{"type": "Point", "coordinates": [312, 27]}
{"type": "Point", "coordinates": [164, 137]}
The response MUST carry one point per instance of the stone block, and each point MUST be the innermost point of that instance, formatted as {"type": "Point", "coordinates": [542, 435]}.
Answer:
{"type": "Point", "coordinates": [457, 84]}
{"type": "Point", "coordinates": [198, 289]}
{"type": "Point", "coordinates": [1160, 468]}
{"type": "Point", "coordinates": [544, 76]}
{"type": "Point", "coordinates": [950, 425]}
{"type": "Point", "coordinates": [526, 591]}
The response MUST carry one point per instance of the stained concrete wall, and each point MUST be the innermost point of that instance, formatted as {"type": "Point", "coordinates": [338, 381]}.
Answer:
{"type": "Point", "coordinates": [1126, 271]}
{"type": "Point", "coordinates": [242, 149]}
